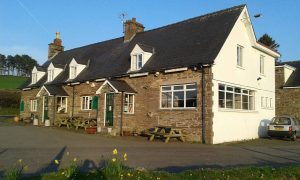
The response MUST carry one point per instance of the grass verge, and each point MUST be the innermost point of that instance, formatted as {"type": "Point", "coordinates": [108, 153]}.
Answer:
{"type": "Point", "coordinates": [9, 111]}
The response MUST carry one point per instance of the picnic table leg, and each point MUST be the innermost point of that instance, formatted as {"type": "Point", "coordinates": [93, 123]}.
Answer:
{"type": "Point", "coordinates": [167, 139]}
{"type": "Point", "coordinates": [151, 137]}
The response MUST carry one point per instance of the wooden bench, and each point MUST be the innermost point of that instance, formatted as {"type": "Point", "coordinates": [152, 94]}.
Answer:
{"type": "Point", "coordinates": [84, 123]}
{"type": "Point", "coordinates": [166, 133]}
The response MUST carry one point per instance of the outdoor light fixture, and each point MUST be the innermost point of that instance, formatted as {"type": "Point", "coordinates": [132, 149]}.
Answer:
{"type": "Point", "coordinates": [259, 78]}
{"type": "Point", "coordinates": [257, 15]}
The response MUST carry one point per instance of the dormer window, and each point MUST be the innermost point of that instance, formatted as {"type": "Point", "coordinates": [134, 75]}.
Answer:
{"type": "Point", "coordinates": [50, 75]}
{"type": "Point", "coordinates": [139, 56]}
{"type": "Point", "coordinates": [34, 78]}
{"type": "Point", "coordinates": [73, 72]}
{"type": "Point", "coordinates": [75, 69]}
{"type": "Point", "coordinates": [139, 61]}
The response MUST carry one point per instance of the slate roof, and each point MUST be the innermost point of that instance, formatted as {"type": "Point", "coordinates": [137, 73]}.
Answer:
{"type": "Point", "coordinates": [121, 86]}
{"type": "Point", "coordinates": [184, 44]}
{"type": "Point", "coordinates": [294, 79]}
{"type": "Point", "coordinates": [56, 90]}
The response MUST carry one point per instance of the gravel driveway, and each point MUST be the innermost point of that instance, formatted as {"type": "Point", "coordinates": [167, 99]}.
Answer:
{"type": "Point", "coordinates": [38, 147]}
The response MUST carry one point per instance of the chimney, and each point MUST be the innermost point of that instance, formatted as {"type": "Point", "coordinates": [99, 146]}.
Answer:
{"type": "Point", "coordinates": [55, 47]}
{"type": "Point", "coordinates": [131, 28]}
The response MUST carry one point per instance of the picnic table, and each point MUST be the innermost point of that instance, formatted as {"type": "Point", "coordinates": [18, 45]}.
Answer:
{"type": "Point", "coordinates": [166, 133]}
{"type": "Point", "coordinates": [64, 121]}
{"type": "Point", "coordinates": [84, 123]}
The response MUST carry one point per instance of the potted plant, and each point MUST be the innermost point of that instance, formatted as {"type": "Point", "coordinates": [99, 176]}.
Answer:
{"type": "Point", "coordinates": [91, 130]}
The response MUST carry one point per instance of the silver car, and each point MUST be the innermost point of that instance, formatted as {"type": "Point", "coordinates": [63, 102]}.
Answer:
{"type": "Point", "coordinates": [284, 126]}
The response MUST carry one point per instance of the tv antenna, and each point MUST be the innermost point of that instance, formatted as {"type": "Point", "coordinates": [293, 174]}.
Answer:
{"type": "Point", "coordinates": [122, 17]}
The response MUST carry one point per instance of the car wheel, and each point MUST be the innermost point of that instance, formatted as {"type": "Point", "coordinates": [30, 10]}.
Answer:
{"type": "Point", "coordinates": [294, 137]}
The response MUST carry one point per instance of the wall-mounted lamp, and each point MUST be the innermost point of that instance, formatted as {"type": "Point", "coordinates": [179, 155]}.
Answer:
{"type": "Point", "coordinates": [259, 78]}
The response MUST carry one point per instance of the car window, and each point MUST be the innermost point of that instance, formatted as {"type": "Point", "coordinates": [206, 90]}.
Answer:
{"type": "Point", "coordinates": [281, 121]}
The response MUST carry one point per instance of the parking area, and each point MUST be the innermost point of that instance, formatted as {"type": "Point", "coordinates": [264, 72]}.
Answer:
{"type": "Point", "coordinates": [38, 147]}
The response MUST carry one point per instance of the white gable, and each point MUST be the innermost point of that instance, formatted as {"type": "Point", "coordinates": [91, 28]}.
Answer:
{"type": "Point", "coordinates": [136, 51]}
{"type": "Point", "coordinates": [36, 75]}
{"type": "Point", "coordinates": [75, 69]}
{"type": "Point", "coordinates": [55, 71]}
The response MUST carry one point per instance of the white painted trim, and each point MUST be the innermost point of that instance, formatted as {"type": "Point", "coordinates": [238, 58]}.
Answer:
{"type": "Point", "coordinates": [106, 82]}
{"type": "Point", "coordinates": [139, 74]}
{"type": "Point", "coordinates": [100, 80]}
{"type": "Point", "coordinates": [296, 87]}
{"type": "Point", "coordinates": [25, 89]}
{"type": "Point", "coordinates": [287, 66]}
{"type": "Point", "coordinates": [176, 70]}
{"type": "Point", "coordinates": [104, 114]}
{"type": "Point", "coordinates": [75, 83]}
{"type": "Point", "coordinates": [38, 94]}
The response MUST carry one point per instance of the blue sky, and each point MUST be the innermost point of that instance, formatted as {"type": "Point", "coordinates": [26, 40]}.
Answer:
{"type": "Point", "coordinates": [28, 26]}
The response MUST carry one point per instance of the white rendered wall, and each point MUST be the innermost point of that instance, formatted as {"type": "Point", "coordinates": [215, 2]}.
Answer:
{"type": "Point", "coordinates": [236, 125]}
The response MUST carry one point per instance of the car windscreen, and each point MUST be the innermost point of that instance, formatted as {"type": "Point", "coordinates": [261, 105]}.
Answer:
{"type": "Point", "coordinates": [281, 121]}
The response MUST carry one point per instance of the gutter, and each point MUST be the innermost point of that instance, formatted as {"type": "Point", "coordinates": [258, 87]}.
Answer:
{"type": "Point", "coordinates": [121, 120]}
{"type": "Point", "coordinates": [73, 101]}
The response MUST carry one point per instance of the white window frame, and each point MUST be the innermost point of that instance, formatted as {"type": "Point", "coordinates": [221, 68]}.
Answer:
{"type": "Point", "coordinates": [127, 104]}
{"type": "Point", "coordinates": [33, 105]}
{"type": "Point", "coordinates": [61, 105]}
{"type": "Point", "coordinates": [244, 92]}
{"type": "Point", "coordinates": [172, 98]}
{"type": "Point", "coordinates": [262, 102]}
{"type": "Point", "coordinates": [50, 75]}
{"type": "Point", "coordinates": [73, 72]}
{"type": "Point", "coordinates": [88, 100]}
{"type": "Point", "coordinates": [262, 64]}
{"type": "Point", "coordinates": [239, 53]}
{"type": "Point", "coordinates": [34, 78]}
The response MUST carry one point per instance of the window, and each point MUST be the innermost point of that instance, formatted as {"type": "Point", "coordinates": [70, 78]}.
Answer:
{"type": "Point", "coordinates": [262, 102]}
{"type": "Point", "coordinates": [61, 104]}
{"type": "Point", "coordinates": [34, 78]}
{"type": "Point", "coordinates": [179, 96]}
{"type": "Point", "coordinates": [50, 75]}
{"type": "Point", "coordinates": [262, 65]}
{"type": "Point", "coordinates": [235, 98]}
{"type": "Point", "coordinates": [33, 105]}
{"type": "Point", "coordinates": [86, 102]}
{"type": "Point", "coordinates": [240, 56]}
{"type": "Point", "coordinates": [129, 103]}
{"type": "Point", "coordinates": [271, 104]}
{"type": "Point", "coordinates": [138, 59]}
{"type": "Point", "coordinates": [73, 72]}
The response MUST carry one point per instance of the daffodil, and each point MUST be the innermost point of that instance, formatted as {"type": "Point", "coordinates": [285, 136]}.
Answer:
{"type": "Point", "coordinates": [68, 153]}
{"type": "Point", "coordinates": [128, 174]}
{"type": "Point", "coordinates": [56, 161]}
{"type": "Point", "coordinates": [158, 178]}
{"type": "Point", "coordinates": [115, 151]}
{"type": "Point", "coordinates": [26, 168]}
{"type": "Point", "coordinates": [125, 157]}
{"type": "Point", "coordinates": [20, 160]}
{"type": "Point", "coordinates": [113, 159]}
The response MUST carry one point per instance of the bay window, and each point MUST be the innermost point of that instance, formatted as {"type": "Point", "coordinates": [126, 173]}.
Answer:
{"type": "Point", "coordinates": [179, 96]}
{"type": "Point", "coordinates": [231, 97]}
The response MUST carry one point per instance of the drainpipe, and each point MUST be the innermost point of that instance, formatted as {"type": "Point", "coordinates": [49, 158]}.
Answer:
{"type": "Point", "coordinates": [54, 109]}
{"type": "Point", "coordinates": [203, 105]}
{"type": "Point", "coordinates": [73, 99]}
{"type": "Point", "coordinates": [121, 121]}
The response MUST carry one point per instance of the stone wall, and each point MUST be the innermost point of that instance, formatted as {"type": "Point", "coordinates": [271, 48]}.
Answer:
{"type": "Point", "coordinates": [147, 112]}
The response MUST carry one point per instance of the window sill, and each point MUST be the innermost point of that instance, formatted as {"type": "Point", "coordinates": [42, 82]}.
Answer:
{"type": "Point", "coordinates": [178, 109]}
{"type": "Point", "coordinates": [267, 108]}
{"type": "Point", "coordinates": [237, 110]}
{"type": "Point", "coordinates": [85, 110]}
{"type": "Point", "coordinates": [128, 113]}
{"type": "Point", "coordinates": [240, 67]}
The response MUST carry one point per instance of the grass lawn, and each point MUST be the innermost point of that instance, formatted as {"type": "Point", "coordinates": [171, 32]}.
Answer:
{"type": "Point", "coordinates": [9, 111]}
{"type": "Point", "coordinates": [269, 173]}
{"type": "Point", "coordinates": [11, 82]}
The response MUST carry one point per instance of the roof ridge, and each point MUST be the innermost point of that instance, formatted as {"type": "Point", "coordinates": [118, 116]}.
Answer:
{"type": "Point", "coordinates": [198, 17]}
{"type": "Point", "coordinates": [183, 21]}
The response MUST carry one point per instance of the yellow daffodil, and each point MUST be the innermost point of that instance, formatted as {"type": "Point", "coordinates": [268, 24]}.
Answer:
{"type": "Point", "coordinates": [75, 159]}
{"type": "Point", "coordinates": [115, 151]}
{"type": "Point", "coordinates": [20, 160]}
{"type": "Point", "coordinates": [56, 161]}
{"type": "Point", "coordinates": [158, 178]}
{"type": "Point", "coordinates": [125, 157]}
{"type": "Point", "coordinates": [128, 174]}
{"type": "Point", "coordinates": [68, 153]}
{"type": "Point", "coordinates": [113, 159]}
{"type": "Point", "coordinates": [26, 168]}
